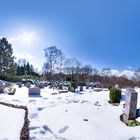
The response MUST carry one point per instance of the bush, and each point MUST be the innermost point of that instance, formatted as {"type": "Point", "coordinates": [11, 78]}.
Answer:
{"type": "Point", "coordinates": [14, 78]}
{"type": "Point", "coordinates": [74, 85]}
{"type": "Point", "coordinates": [110, 87]}
{"type": "Point", "coordinates": [12, 91]}
{"type": "Point", "coordinates": [115, 95]}
{"type": "Point", "coordinates": [133, 123]}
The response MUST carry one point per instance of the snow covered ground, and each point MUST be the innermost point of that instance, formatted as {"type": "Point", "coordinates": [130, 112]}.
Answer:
{"type": "Point", "coordinates": [11, 122]}
{"type": "Point", "coordinates": [83, 115]}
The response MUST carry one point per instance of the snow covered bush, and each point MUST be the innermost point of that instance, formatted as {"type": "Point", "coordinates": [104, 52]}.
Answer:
{"type": "Point", "coordinates": [12, 91]}
{"type": "Point", "coordinates": [115, 95]}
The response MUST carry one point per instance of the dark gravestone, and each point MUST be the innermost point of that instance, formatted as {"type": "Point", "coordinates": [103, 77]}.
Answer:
{"type": "Point", "coordinates": [19, 85]}
{"type": "Point", "coordinates": [130, 105]}
{"type": "Point", "coordinates": [28, 85]}
{"type": "Point", "coordinates": [34, 92]}
{"type": "Point", "coordinates": [81, 88]}
{"type": "Point", "coordinates": [71, 89]}
{"type": "Point", "coordinates": [1, 90]}
{"type": "Point", "coordinates": [60, 86]}
{"type": "Point", "coordinates": [1, 87]}
{"type": "Point", "coordinates": [40, 85]}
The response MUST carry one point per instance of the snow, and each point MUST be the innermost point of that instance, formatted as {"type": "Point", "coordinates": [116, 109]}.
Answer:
{"type": "Point", "coordinates": [11, 122]}
{"type": "Point", "coordinates": [74, 116]}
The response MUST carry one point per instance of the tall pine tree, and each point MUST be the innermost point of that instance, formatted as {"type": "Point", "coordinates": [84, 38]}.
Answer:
{"type": "Point", "coordinates": [7, 65]}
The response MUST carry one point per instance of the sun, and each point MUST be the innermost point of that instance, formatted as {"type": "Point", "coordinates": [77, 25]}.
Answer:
{"type": "Point", "coordinates": [27, 37]}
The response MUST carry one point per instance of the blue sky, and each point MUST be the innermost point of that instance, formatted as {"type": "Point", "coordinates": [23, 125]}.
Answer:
{"type": "Point", "coordinates": [103, 33]}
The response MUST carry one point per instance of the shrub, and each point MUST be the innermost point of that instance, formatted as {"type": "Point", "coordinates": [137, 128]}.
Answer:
{"type": "Point", "coordinates": [74, 85]}
{"type": "Point", "coordinates": [110, 87]}
{"type": "Point", "coordinates": [14, 78]}
{"type": "Point", "coordinates": [115, 95]}
{"type": "Point", "coordinates": [133, 123]}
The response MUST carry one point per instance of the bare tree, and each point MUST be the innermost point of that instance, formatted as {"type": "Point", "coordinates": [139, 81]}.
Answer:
{"type": "Point", "coordinates": [106, 72]}
{"type": "Point", "coordinates": [86, 72]}
{"type": "Point", "coordinates": [71, 66]}
{"type": "Point", "coordinates": [52, 54]}
{"type": "Point", "coordinates": [61, 61]}
{"type": "Point", "coordinates": [137, 75]}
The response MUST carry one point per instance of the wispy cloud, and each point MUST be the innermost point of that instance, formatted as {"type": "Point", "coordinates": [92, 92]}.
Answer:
{"type": "Point", "coordinates": [24, 55]}
{"type": "Point", "coordinates": [25, 37]}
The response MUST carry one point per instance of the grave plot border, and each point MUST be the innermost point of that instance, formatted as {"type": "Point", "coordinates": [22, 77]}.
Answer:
{"type": "Point", "coordinates": [24, 134]}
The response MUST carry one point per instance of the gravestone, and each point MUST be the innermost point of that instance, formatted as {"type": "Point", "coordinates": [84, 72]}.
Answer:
{"type": "Point", "coordinates": [1, 90]}
{"type": "Point", "coordinates": [28, 85]}
{"type": "Point", "coordinates": [71, 89]}
{"type": "Point", "coordinates": [60, 86]}
{"type": "Point", "coordinates": [40, 85]}
{"type": "Point", "coordinates": [35, 91]}
{"type": "Point", "coordinates": [130, 105]}
{"type": "Point", "coordinates": [19, 84]}
{"type": "Point", "coordinates": [81, 88]}
{"type": "Point", "coordinates": [1, 87]}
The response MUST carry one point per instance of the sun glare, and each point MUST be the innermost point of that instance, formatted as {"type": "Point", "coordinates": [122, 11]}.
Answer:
{"type": "Point", "coordinates": [27, 37]}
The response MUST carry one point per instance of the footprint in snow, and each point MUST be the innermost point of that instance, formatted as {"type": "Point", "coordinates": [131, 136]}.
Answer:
{"type": "Point", "coordinates": [42, 132]}
{"type": "Point", "coordinates": [46, 128]}
{"type": "Point", "coordinates": [34, 115]}
{"type": "Point", "coordinates": [97, 103]}
{"type": "Point", "coordinates": [40, 108]}
{"type": "Point", "coordinates": [34, 127]}
{"type": "Point", "coordinates": [32, 138]}
{"type": "Point", "coordinates": [62, 130]}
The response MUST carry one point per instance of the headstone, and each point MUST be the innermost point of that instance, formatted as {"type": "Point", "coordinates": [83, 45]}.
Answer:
{"type": "Point", "coordinates": [28, 85]}
{"type": "Point", "coordinates": [20, 85]}
{"type": "Point", "coordinates": [60, 86]}
{"type": "Point", "coordinates": [40, 85]}
{"type": "Point", "coordinates": [130, 105]}
{"type": "Point", "coordinates": [35, 91]}
{"type": "Point", "coordinates": [1, 87]}
{"type": "Point", "coordinates": [71, 89]}
{"type": "Point", "coordinates": [81, 88]}
{"type": "Point", "coordinates": [1, 90]}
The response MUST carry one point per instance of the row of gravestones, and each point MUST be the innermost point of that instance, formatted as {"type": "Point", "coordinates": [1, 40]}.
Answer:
{"type": "Point", "coordinates": [130, 99]}
{"type": "Point", "coordinates": [28, 85]}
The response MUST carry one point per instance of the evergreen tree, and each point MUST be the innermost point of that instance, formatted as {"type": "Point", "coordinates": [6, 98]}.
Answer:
{"type": "Point", "coordinates": [7, 65]}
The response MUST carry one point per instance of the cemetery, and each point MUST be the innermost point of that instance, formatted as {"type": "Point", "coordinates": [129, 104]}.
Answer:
{"type": "Point", "coordinates": [61, 115]}
{"type": "Point", "coordinates": [69, 70]}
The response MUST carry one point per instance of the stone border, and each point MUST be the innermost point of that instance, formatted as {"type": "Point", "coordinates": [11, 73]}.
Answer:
{"type": "Point", "coordinates": [113, 104]}
{"type": "Point", "coordinates": [24, 134]}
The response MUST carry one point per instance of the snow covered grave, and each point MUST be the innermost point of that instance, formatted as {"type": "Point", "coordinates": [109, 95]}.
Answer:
{"type": "Point", "coordinates": [35, 92]}
{"type": "Point", "coordinates": [11, 122]}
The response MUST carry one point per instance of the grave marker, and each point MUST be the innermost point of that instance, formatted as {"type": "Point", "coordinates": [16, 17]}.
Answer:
{"type": "Point", "coordinates": [130, 105]}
